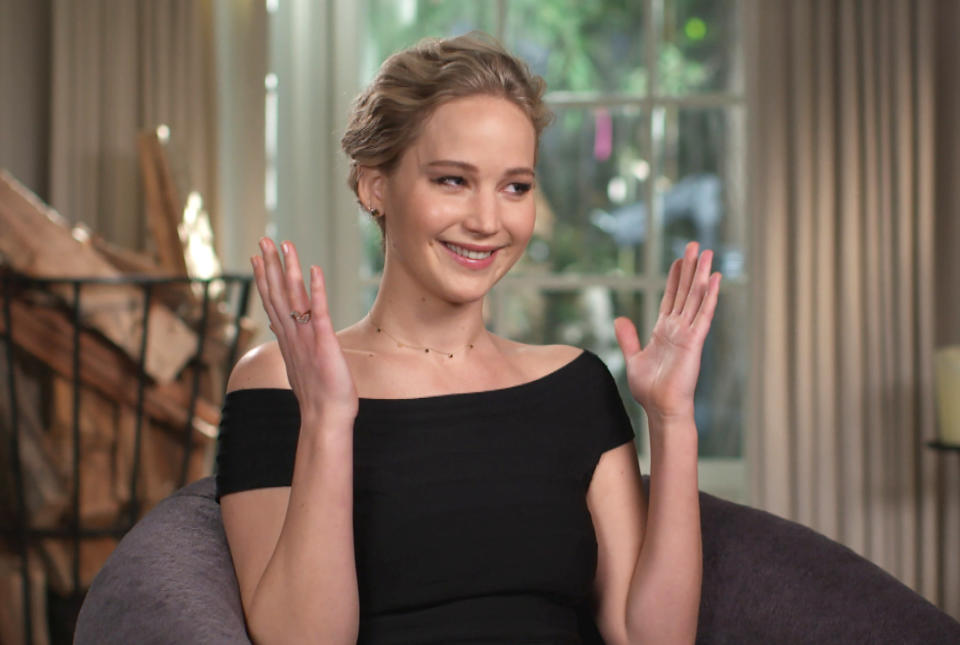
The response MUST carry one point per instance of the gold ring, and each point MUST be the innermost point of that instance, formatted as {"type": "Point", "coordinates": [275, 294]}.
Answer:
{"type": "Point", "coordinates": [302, 318]}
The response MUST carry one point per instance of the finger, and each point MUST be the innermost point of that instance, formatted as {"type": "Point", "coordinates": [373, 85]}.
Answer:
{"type": "Point", "coordinates": [688, 268]}
{"type": "Point", "coordinates": [627, 336]}
{"type": "Point", "coordinates": [260, 279]}
{"type": "Point", "coordinates": [296, 292]}
{"type": "Point", "coordinates": [318, 300]}
{"type": "Point", "coordinates": [701, 280]}
{"type": "Point", "coordinates": [275, 281]}
{"type": "Point", "coordinates": [670, 292]}
{"type": "Point", "coordinates": [701, 323]}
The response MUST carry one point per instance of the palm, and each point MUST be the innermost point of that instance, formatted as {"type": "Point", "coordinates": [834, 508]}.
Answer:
{"type": "Point", "coordinates": [663, 375]}
{"type": "Point", "coordinates": [316, 368]}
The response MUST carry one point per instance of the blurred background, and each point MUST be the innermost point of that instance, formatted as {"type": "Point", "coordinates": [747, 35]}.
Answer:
{"type": "Point", "coordinates": [812, 144]}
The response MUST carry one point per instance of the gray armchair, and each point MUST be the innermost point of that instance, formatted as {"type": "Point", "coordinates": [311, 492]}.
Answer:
{"type": "Point", "coordinates": [766, 581]}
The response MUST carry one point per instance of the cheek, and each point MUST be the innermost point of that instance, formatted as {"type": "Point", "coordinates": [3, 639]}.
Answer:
{"type": "Point", "coordinates": [525, 222]}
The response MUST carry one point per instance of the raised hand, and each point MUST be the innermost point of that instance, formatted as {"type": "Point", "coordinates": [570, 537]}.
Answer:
{"type": "Point", "coordinates": [316, 368]}
{"type": "Point", "coordinates": [663, 375]}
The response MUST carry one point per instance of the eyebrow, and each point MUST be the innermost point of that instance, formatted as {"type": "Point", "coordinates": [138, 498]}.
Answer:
{"type": "Point", "coordinates": [521, 170]}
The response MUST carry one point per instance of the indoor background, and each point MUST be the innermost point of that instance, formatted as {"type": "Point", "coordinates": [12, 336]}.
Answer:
{"type": "Point", "coordinates": [812, 144]}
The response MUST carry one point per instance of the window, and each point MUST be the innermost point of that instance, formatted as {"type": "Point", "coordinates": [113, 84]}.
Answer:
{"type": "Point", "coordinates": [646, 153]}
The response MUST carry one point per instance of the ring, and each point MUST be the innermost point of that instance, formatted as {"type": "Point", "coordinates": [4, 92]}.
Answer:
{"type": "Point", "coordinates": [302, 318]}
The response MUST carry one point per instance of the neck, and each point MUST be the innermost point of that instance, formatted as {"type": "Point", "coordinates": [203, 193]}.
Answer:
{"type": "Point", "coordinates": [424, 321]}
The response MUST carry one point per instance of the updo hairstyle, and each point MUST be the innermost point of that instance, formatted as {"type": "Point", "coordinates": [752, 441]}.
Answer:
{"type": "Point", "coordinates": [389, 114]}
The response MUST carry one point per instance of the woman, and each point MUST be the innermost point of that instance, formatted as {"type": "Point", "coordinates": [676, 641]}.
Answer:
{"type": "Point", "coordinates": [414, 478]}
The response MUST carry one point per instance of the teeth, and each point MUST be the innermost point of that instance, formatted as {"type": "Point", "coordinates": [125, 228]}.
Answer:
{"type": "Point", "coordinates": [473, 255]}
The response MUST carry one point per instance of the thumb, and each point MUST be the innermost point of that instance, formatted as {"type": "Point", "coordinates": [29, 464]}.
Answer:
{"type": "Point", "coordinates": [627, 336]}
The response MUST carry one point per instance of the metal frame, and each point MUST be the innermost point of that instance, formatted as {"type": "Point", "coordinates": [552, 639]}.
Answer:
{"type": "Point", "coordinates": [238, 290]}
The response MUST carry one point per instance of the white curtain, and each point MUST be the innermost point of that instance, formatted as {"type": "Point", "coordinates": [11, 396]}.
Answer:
{"type": "Point", "coordinates": [85, 77]}
{"type": "Point", "coordinates": [313, 54]}
{"type": "Point", "coordinates": [25, 90]}
{"type": "Point", "coordinates": [241, 62]}
{"type": "Point", "coordinates": [843, 102]}
{"type": "Point", "coordinates": [119, 67]}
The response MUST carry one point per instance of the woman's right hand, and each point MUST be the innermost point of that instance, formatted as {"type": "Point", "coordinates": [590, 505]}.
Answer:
{"type": "Point", "coordinates": [316, 368]}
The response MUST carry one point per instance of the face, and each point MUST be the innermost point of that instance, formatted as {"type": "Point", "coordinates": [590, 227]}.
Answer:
{"type": "Point", "coordinates": [459, 206]}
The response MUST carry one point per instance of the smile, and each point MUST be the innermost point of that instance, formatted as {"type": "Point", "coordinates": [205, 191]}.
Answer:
{"type": "Point", "coordinates": [469, 258]}
{"type": "Point", "coordinates": [466, 253]}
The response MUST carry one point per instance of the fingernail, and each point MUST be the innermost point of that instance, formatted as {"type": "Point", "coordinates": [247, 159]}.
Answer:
{"type": "Point", "coordinates": [263, 244]}
{"type": "Point", "coordinates": [286, 247]}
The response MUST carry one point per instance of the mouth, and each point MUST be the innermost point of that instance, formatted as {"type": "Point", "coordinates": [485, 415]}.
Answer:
{"type": "Point", "coordinates": [470, 254]}
{"type": "Point", "coordinates": [472, 258]}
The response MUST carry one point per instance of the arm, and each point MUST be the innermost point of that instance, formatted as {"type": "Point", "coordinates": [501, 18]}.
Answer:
{"type": "Point", "coordinates": [650, 561]}
{"type": "Point", "coordinates": [293, 547]}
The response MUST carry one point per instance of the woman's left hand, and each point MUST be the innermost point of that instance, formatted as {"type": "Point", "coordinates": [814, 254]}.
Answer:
{"type": "Point", "coordinates": [663, 375]}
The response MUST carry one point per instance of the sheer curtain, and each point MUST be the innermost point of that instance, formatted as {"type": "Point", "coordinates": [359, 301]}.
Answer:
{"type": "Point", "coordinates": [25, 88]}
{"type": "Point", "coordinates": [118, 67]}
{"type": "Point", "coordinates": [843, 102]}
{"type": "Point", "coordinates": [86, 77]}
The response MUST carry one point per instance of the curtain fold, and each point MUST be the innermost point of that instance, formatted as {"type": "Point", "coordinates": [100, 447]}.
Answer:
{"type": "Point", "coordinates": [842, 98]}
{"type": "Point", "coordinates": [25, 87]}
{"type": "Point", "coordinates": [119, 67]}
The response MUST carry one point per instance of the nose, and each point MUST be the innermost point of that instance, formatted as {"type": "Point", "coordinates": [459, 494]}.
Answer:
{"type": "Point", "coordinates": [483, 217]}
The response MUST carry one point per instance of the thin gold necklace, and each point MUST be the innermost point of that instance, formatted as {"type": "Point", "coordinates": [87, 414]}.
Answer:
{"type": "Point", "coordinates": [426, 350]}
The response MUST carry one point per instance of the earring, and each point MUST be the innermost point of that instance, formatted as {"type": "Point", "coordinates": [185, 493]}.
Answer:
{"type": "Point", "coordinates": [373, 212]}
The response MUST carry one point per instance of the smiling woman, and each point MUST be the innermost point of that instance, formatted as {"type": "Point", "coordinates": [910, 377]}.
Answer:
{"type": "Point", "coordinates": [459, 198]}
{"type": "Point", "coordinates": [415, 478]}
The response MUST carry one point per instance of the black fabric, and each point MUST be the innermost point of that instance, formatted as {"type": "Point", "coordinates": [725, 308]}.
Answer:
{"type": "Point", "coordinates": [470, 515]}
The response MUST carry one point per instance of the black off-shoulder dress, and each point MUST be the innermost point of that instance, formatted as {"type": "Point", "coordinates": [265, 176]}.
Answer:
{"type": "Point", "coordinates": [470, 516]}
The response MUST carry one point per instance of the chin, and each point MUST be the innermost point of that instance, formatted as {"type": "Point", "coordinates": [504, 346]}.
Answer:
{"type": "Point", "coordinates": [466, 289]}
{"type": "Point", "coordinates": [464, 297]}
{"type": "Point", "coordinates": [463, 293]}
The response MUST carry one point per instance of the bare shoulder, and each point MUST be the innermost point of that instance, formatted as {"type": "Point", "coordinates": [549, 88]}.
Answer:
{"type": "Point", "coordinates": [539, 360]}
{"type": "Point", "coordinates": [261, 367]}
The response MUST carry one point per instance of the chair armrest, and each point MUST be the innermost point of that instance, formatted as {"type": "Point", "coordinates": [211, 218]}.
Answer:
{"type": "Point", "coordinates": [170, 580]}
{"type": "Point", "coordinates": [770, 580]}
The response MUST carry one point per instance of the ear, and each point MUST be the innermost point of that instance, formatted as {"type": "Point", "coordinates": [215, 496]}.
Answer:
{"type": "Point", "coordinates": [371, 185]}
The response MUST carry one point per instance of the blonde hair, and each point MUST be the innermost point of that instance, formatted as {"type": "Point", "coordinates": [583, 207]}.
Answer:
{"type": "Point", "coordinates": [389, 114]}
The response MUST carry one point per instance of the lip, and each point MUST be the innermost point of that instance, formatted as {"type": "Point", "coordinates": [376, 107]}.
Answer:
{"type": "Point", "coordinates": [470, 247]}
{"type": "Point", "coordinates": [473, 264]}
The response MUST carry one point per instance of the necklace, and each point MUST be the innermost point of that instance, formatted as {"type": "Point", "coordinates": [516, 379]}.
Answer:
{"type": "Point", "coordinates": [426, 350]}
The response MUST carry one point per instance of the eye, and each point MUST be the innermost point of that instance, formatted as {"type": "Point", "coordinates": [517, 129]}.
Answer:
{"type": "Point", "coordinates": [519, 188]}
{"type": "Point", "coordinates": [450, 180]}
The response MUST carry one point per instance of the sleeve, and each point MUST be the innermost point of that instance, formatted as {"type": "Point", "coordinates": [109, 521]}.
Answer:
{"type": "Point", "coordinates": [608, 423]}
{"type": "Point", "coordinates": [257, 441]}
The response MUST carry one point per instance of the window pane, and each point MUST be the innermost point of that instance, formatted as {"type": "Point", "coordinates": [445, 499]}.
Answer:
{"type": "Point", "coordinates": [697, 47]}
{"type": "Point", "coordinates": [721, 390]}
{"type": "Point", "coordinates": [592, 173]}
{"type": "Point", "coordinates": [580, 46]}
{"type": "Point", "coordinates": [699, 188]}
{"type": "Point", "coordinates": [582, 317]}
{"type": "Point", "coordinates": [395, 24]}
